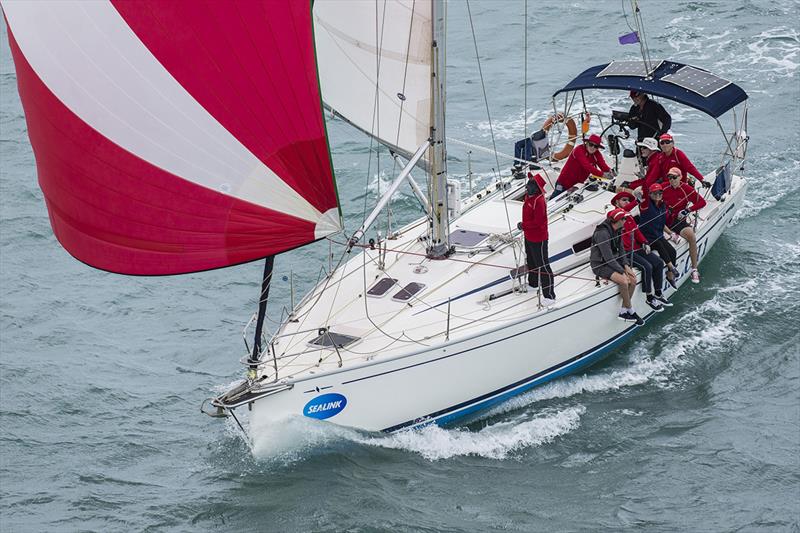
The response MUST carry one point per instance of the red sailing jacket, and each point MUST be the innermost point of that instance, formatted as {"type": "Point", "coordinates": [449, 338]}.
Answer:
{"type": "Point", "coordinates": [632, 236]}
{"type": "Point", "coordinates": [677, 199]}
{"type": "Point", "coordinates": [534, 218]}
{"type": "Point", "coordinates": [580, 165]}
{"type": "Point", "coordinates": [678, 159]}
{"type": "Point", "coordinates": [653, 175]}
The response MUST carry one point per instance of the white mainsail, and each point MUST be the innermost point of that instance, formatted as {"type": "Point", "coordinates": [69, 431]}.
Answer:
{"type": "Point", "coordinates": [384, 47]}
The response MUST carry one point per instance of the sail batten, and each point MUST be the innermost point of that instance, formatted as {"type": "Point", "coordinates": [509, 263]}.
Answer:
{"type": "Point", "coordinates": [173, 138]}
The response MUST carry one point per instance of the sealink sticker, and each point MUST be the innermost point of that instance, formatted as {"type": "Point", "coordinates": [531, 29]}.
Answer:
{"type": "Point", "coordinates": [325, 406]}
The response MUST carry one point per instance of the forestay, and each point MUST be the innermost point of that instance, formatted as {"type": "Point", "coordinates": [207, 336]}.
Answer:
{"type": "Point", "coordinates": [171, 137]}
{"type": "Point", "coordinates": [375, 67]}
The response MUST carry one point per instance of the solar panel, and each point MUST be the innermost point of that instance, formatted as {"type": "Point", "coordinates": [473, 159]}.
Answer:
{"type": "Point", "coordinates": [699, 81]}
{"type": "Point", "coordinates": [628, 68]}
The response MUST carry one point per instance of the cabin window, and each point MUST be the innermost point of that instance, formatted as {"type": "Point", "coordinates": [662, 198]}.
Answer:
{"type": "Point", "coordinates": [580, 246]}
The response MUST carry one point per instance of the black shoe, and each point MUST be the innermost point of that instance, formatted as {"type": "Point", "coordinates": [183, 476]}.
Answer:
{"type": "Point", "coordinates": [663, 301]}
{"type": "Point", "coordinates": [672, 283]}
{"type": "Point", "coordinates": [637, 319]}
{"type": "Point", "coordinates": [654, 304]}
{"type": "Point", "coordinates": [626, 316]}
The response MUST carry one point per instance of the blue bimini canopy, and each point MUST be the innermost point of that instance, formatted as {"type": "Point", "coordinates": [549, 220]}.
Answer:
{"type": "Point", "coordinates": [681, 83]}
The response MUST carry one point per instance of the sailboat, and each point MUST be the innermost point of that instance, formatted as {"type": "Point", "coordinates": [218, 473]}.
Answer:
{"type": "Point", "coordinates": [170, 140]}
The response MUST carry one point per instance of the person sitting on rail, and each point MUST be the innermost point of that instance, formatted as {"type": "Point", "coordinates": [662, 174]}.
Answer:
{"type": "Point", "coordinates": [638, 249]}
{"type": "Point", "coordinates": [651, 156]}
{"type": "Point", "coordinates": [534, 224]}
{"type": "Point", "coordinates": [682, 199]}
{"type": "Point", "coordinates": [647, 116]}
{"type": "Point", "coordinates": [652, 222]}
{"type": "Point", "coordinates": [609, 261]}
{"type": "Point", "coordinates": [585, 160]}
{"type": "Point", "coordinates": [673, 157]}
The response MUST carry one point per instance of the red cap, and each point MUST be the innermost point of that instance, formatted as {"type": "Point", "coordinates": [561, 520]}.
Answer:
{"type": "Point", "coordinates": [595, 139]}
{"type": "Point", "coordinates": [656, 187]}
{"type": "Point", "coordinates": [665, 137]}
{"type": "Point", "coordinates": [622, 194]}
{"type": "Point", "coordinates": [538, 179]}
{"type": "Point", "coordinates": [675, 171]}
{"type": "Point", "coordinates": [616, 214]}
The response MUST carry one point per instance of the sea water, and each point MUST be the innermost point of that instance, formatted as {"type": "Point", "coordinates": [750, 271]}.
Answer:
{"type": "Point", "coordinates": [692, 425]}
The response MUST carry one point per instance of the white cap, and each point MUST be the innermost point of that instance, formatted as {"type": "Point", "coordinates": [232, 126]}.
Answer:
{"type": "Point", "coordinates": [649, 143]}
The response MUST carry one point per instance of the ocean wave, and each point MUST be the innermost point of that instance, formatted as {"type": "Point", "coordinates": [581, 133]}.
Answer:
{"type": "Point", "coordinates": [494, 441]}
{"type": "Point", "coordinates": [297, 438]}
{"type": "Point", "coordinates": [768, 188]}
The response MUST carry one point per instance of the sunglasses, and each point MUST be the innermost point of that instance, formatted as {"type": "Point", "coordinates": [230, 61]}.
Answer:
{"type": "Point", "coordinates": [593, 145]}
{"type": "Point", "coordinates": [673, 177]}
{"type": "Point", "coordinates": [664, 142]}
{"type": "Point", "coordinates": [656, 193]}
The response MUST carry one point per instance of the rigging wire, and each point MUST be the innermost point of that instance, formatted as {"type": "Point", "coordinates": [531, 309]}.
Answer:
{"type": "Point", "coordinates": [525, 77]}
{"type": "Point", "coordinates": [488, 113]}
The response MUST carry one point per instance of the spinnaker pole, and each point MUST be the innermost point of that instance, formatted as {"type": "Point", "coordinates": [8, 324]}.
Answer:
{"type": "Point", "coordinates": [439, 245]}
{"type": "Point", "coordinates": [262, 311]}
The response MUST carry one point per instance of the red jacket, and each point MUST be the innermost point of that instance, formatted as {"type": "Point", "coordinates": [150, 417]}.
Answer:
{"type": "Point", "coordinates": [580, 165]}
{"type": "Point", "coordinates": [678, 159]}
{"type": "Point", "coordinates": [653, 175]}
{"type": "Point", "coordinates": [678, 199]}
{"type": "Point", "coordinates": [632, 236]}
{"type": "Point", "coordinates": [534, 218]}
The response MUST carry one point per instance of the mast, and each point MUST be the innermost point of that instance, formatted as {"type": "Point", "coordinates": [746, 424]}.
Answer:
{"type": "Point", "coordinates": [637, 19]}
{"type": "Point", "coordinates": [439, 245]}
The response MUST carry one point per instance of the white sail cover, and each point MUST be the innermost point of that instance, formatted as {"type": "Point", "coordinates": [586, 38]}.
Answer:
{"type": "Point", "coordinates": [384, 46]}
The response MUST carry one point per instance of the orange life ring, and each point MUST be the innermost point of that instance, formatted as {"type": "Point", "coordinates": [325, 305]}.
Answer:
{"type": "Point", "coordinates": [572, 131]}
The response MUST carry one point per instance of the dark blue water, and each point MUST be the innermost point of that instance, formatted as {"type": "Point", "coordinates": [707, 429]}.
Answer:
{"type": "Point", "coordinates": [692, 426]}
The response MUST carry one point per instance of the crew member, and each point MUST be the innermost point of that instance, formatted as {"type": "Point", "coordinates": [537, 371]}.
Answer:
{"type": "Point", "coordinates": [673, 157]}
{"type": "Point", "coordinates": [647, 116]}
{"type": "Point", "coordinates": [638, 249]}
{"type": "Point", "coordinates": [609, 261]}
{"type": "Point", "coordinates": [534, 224]}
{"type": "Point", "coordinates": [682, 199]}
{"type": "Point", "coordinates": [652, 222]}
{"type": "Point", "coordinates": [648, 147]}
{"type": "Point", "coordinates": [585, 160]}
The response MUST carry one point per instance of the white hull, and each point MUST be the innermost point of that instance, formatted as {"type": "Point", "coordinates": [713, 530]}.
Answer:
{"type": "Point", "coordinates": [452, 378]}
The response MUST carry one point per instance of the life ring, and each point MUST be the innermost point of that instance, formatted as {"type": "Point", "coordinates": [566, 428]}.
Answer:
{"type": "Point", "coordinates": [572, 131]}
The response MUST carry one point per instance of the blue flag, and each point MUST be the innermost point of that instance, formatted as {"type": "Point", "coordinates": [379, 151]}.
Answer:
{"type": "Point", "coordinates": [629, 38]}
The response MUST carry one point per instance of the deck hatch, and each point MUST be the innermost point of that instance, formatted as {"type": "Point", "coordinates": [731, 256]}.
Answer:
{"type": "Point", "coordinates": [329, 339]}
{"type": "Point", "coordinates": [381, 287]}
{"type": "Point", "coordinates": [407, 292]}
{"type": "Point", "coordinates": [467, 238]}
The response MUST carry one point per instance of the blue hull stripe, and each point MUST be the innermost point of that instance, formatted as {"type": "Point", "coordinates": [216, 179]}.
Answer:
{"type": "Point", "coordinates": [566, 367]}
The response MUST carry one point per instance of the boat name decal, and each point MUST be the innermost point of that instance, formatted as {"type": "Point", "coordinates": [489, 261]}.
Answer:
{"type": "Point", "coordinates": [325, 406]}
